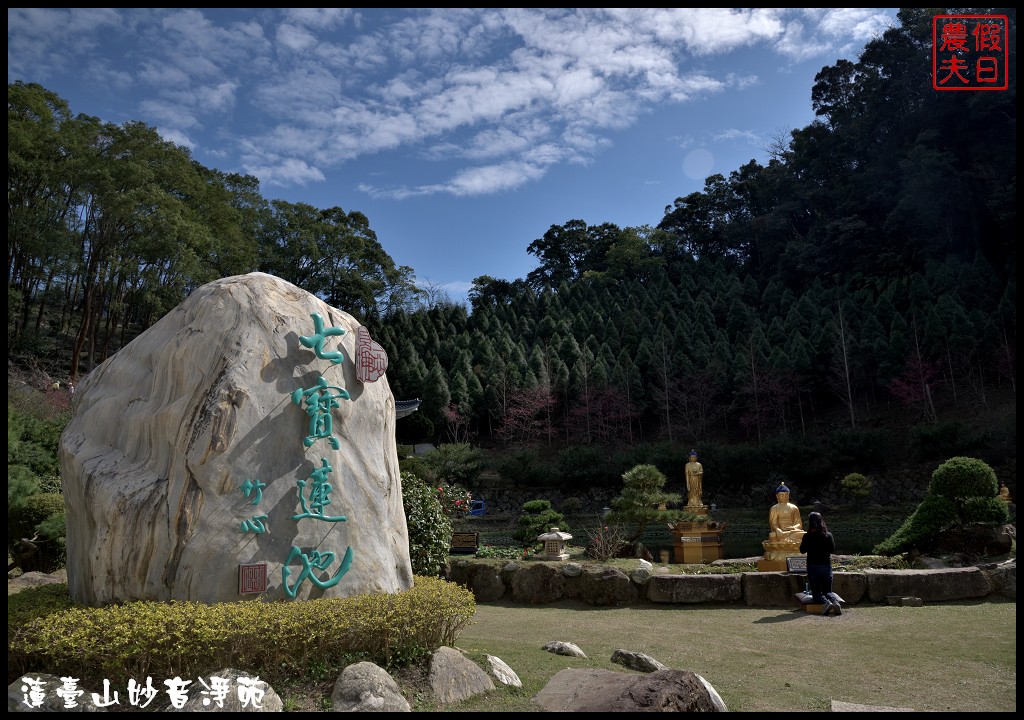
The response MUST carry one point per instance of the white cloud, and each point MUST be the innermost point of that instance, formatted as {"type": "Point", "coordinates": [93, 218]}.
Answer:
{"type": "Point", "coordinates": [177, 137]}
{"type": "Point", "coordinates": [735, 134]}
{"type": "Point", "coordinates": [169, 113]}
{"type": "Point", "coordinates": [322, 18]}
{"type": "Point", "coordinates": [299, 91]}
{"type": "Point", "coordinates": [288, 172]}
{"type": "Point", "coordinates": [295, 38]}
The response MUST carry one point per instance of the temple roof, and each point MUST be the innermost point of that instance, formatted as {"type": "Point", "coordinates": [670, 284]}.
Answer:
{"type": "Point", "coordinates": [406, 407]}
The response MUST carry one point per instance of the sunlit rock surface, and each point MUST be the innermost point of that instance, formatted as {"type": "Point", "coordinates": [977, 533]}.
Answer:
{"type": "Point", "coordinates": [168, 431]}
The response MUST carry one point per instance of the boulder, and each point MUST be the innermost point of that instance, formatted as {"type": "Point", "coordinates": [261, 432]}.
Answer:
{"type": "Point", "coordinates": [36, 692]}
{"type": "Point", "coordinates": [453, 677]}
{"type": "Point", "coordinates": [1002, 577]}
{"type": "Point", "coordinates": [537, 584]}
{"type": "Point", "coordinates": [977, 541]}
{"type": "Point", "coordinates": [366, 687]}
{"type": "Point", "coordinates": [486, 584]}
{"type": "Point", "coordinates": [229, 690]}
{"type": "Point", "coordinates": [504, 674]}
{"type": "Point", "coordinates": [482, 578]}
{"type": "Point", "coordinates": [194, 451]}
{"type": "Point", "coordinates": [604, 691]}
{"type": "Point", "coordinates": [637, 661]}
{"type": "Point", "coordinates": [694, 588]}
{"type": "Point", "coordinates": [771, 589]}
{"type": "Point", "coordinates": [34, 579]}
{"type": "Point", "coordinates": [929, 585]}
{"type": "Point", "coordinates": [561, 647]}
{"type": "Point", "coordinates": [606, 586]}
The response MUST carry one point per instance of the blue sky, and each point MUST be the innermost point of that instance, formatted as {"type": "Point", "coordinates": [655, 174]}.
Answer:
{"type": "Point", "coordinates": [462, 134]}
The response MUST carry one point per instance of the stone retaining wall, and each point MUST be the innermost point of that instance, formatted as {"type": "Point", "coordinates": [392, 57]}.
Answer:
{"type": "Point", "coordinates": [533, 582]}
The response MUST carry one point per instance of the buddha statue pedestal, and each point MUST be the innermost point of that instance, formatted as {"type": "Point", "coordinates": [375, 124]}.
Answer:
{"type": "Point", "coordinates": [697, 542]}
{"type": "Point", "coordinates": [776, 552]}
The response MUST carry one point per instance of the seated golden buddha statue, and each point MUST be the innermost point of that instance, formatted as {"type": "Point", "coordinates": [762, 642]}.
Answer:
{"type": "Point", "coordinates": [787, 529]}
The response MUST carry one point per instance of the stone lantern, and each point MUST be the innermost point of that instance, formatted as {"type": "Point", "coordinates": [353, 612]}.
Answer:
{"type": "Point", "coordinates": [554, 545]}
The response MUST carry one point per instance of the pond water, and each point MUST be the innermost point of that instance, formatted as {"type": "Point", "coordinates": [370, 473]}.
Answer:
{"type": "Point", "coordinates": [738, 545]}
{"type": "Point", "coordinates": [745, 543]}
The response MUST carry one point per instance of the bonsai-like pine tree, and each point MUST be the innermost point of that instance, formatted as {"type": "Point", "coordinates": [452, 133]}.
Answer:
{"type": "Point", "coordinates": [963, 492]}
{"type": "Point", "coordinates": [641, 501]}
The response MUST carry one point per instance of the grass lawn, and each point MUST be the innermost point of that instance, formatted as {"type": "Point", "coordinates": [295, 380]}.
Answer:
{"type": "Point", "coordinates": [959, 657]}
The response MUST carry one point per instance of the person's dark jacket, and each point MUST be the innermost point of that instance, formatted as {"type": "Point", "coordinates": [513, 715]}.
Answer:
{"type": "Point", "coordinates": [818, 547]}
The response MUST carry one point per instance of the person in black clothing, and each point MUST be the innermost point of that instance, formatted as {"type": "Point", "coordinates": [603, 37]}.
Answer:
{"type": "Point", "coordinates": [818, 544]}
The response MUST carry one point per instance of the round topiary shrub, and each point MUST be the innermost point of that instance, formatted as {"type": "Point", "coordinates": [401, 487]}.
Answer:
{"type": "Point", "coordinates": [856, 488]}
{"type": "Point", "coordinates": [538, 518]}
{"type": "Point", "coordinates": [430, 529]}
{"type": "Point", "coordinates": [964, 477]}
{"type": "Point", "coordinates": [985, 511]}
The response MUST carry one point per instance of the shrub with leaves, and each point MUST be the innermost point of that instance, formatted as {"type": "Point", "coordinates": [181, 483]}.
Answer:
{"type": "Point", "coordinates": [932, 516]}
{"type": "Point", "coordinates": [455, 501]}
{"type": "Point", "coordinates": [526, 468]}
{"type": "Point", "coordinates": [492, 551]}
{"type": "Point", "coordinates": [36, 532]}
{"type": "Point", "coordinates": [430, 528]}
{"type": "Point", "coordinates": [642, 499]}
{"type": "Point", "coordinates": [455, 463]}
{"type": "Point", "coordinates": [36, 602]}
{"type": "Point", "coordinates": [985, 511]}
{"type": "Point", "coordinates": [963, 491]}
{"type": "Point", "coordinates": [538, 518]}
{"type": "Point", "coordinates": [964, 477]}
{"type": "Point", "coordinates": [856, 488]}
{"type": "Point", "coordinates": [190, 639]}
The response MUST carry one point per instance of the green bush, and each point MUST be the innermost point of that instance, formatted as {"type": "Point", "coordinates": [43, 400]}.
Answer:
{"type": "Point", "coordinates": [582, 466]}
{"type": "Point", "coordinates": [985, 511]}
{"type": "Point", "coordinates": [456, 463]}
{"type": "Point", "coordinates": [491, 551]}
{"type": "Point", "coordinates": [573, 505]}
{"type": "Point", "coordinates": [416, 465]}
{"type": "Point", "coordinates": [856, 488]}
{"type": "Point", "coordinates": [456, 501]}
{"type": "Point", "coordinates": [38, 518]}
{"type": "Point", "coordinates": [32, 451]}
{"type": "Point", "coordinates": [525, 468]}
{"type": "Point", "coordinates": [964, 477]}
{"type": "Point", "coordinates": [430, 529]}
{"type": "Point", "coordinates": [538, 518]}
{"type": "Point", "coordinates": [670, 458]}
{"type": "Point", "coordinates": [37, 602]}
{"type": "Point", "coordinates": [190, 639]}
{"type": "Point", "coordinates": [932, 516]}
{"type": "Point", "coordinates": [963, 491]}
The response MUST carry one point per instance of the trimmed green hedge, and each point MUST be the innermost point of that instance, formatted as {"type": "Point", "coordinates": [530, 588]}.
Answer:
{"type": "Point", "coordinates": [188, 639]}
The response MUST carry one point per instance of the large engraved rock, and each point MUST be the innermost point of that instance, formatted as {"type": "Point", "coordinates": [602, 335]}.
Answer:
{"type": "Point", "coordinates": [193, 451]}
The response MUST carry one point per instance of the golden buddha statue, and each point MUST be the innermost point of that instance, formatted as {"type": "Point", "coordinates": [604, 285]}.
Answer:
{"type": "Point", "coordinates": [1004, 493]}
{"type": "Point", "coordinates": [786, 528]}
{"type": "Point", "coordinates": [694, 481]}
